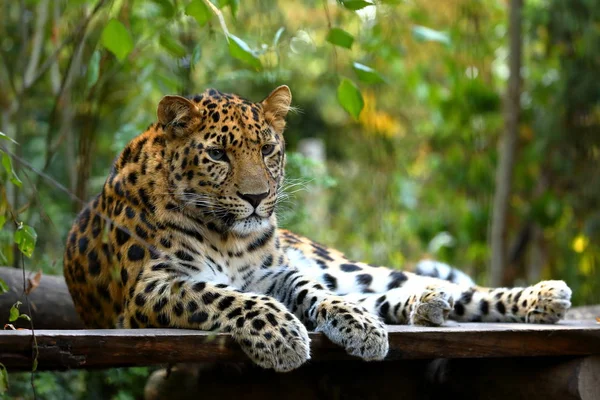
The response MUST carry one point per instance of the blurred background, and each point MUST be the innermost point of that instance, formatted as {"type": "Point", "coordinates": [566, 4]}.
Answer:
{"type": "Point", "coordinates": [415, 135]}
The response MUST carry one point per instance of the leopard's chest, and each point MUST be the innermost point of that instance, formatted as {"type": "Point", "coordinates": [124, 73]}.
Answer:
{"type": "Point", "coordinates": [223, 263]}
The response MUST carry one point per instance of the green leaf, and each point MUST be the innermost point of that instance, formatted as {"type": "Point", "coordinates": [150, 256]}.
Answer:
{"type": "Point", "coordinates": [350, 97]}
{"type": "Point", "coordinates": [367, 74]}
{"type": "Point", "coordinates": [3, 286]}
{"type": "Point", "coordinates": [199, 11]}
{"type": "Point", "coordinates": [166, 8]}
{"type": "Point", "coordinates": [3, 259]}
{"type": "Point", "coordinates": [3, 379]}
{"type": "Point", "coordinates": [172, 46]}
{"type": "Point", "coordinates": [196, 55]}
{"type": "Point", "coordinates": [355, 4]}
{"type": "Point", "coordinates": [340, 37]}
{"type": "Point", "coordinates": [277, 36]}
{"type": "Point", "coordinates": [25, 237]}
{"type": "Point", "coordinates": [429, 35]}
{"type": "Point", "coordinates": [93, 72]}
{"type": "Point", "coordinates": [25, 317]}
{"type": "Point", "coordinates": [240, 50]}
{"type": "Point", "coordinates": [234, 5]}
{"type": "Point", "coordinates": [14, 312]}
{"type": "Point", "coordinates": [2, 221]}
{"type": "Point", "coordinates": [8, 167]}
{"type": "Point", "coordinates": [116, 39]}
{"type": "Point", "coordinates": [4, 136]}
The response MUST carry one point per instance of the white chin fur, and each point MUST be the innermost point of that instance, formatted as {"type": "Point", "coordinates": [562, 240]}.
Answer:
{"type": "Point", "coordinates": [245, 227]}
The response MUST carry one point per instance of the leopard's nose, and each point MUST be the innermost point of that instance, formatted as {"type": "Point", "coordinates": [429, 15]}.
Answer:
{"type": "Point", "coordinates": [253, 199]}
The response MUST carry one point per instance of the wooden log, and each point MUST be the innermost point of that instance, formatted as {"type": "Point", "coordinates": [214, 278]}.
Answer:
{"type": "Point", "coordinates": [562, 378]}
{"type": "Point", "coordinates": [51, 304]}
{"type": "Point", "coordinates": [328, 380]}
{"type": "Point", "coordinates": [532, 378]}
{"type": "Point", "coordinates": [117, 348]}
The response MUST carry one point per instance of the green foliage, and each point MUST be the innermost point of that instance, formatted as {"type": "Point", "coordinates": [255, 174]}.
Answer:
{"type": "Point", "coordinates": [15, 314]}
{"type": "Point", "coordinates": [117, 39]}
{"type": "Point", "coordinates": [340, 37]}
{"type": "Point", "coordinates": [367, 74]}
{"type": "Point", "coordinates": [3, 379]}
{"type": "Point", "coordinates": [409, 111]}
{"type": "Point", "coordinates": [3, 286]}
{"type": "Point", "coordinates": [240, 50]}
{"type": "Point", "coordinates": [350, 97]}
{"type": "Point", "coordinates": [25, 238]}
{"type": "Point", "coordinates": [8, 167]}
{"type": "Point", "coordinates": [355, 4]}
{"type": "Point", "coordinates": [198, 10]}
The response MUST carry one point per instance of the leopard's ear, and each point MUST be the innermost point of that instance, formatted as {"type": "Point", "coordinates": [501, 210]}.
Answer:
{"type": "Point", "coordinates": [276, 106]}
{"type": "Point", "coordinates": [177, 115]}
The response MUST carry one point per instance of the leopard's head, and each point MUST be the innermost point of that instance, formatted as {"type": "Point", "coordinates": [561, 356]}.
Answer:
{"type": "Point", "coordinates": [225, 156]}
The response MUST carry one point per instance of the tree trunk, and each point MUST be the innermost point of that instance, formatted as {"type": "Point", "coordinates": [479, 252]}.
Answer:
{"type": "Point", "coordinates": [507, 149]}
{"type": "Point", "coordinates": [51, 304]}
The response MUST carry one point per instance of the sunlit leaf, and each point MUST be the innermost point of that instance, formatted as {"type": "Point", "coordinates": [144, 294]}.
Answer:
{"type": "Point", "coordinates": [93, 71]}
{"type": "Point", "coordinates": [355, 4]}
{"type": "Point", "coordinates": [427, 34]}
{"type": "Point", "coordinates": [14, 313]}
{"type": "Point", "coordinates": [117, 39]}
{"type": "Point", "coordinates": [25, 317]}
{"type": "Point", "coordinates": [8, 167]}
{"type": "Point", "coordinates": [277, 36]}
{"type": "Point", "coordinates": [3, 379]}
{"type": "Point", "coordinates": [4, 136]}
{"type": "Point", "coordinates": [3, 286]}
{"type": "Point", "coordinates": [340, 37]}
{"type": "Point", "coordinates": [199, 11]}
{"type": "Point", "coordinates": [25, 237]}
{"type": "Point", "coordinates": [172, 45]}
{"type": "Point", "coordinates": [367, 74]}
{"type": "Point", "coordinates": [240, 50]}
{"type": "Point", "coordinates": [350, 97]}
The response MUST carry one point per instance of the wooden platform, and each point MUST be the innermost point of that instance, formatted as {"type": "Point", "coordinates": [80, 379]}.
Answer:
{"type": "Point", "coordinates": [69, 349]}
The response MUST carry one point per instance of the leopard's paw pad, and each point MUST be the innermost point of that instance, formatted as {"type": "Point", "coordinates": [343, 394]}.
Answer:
{"type": "Point", "coordinates": [278, 342]}
{"type": "Point", "coordinates": [548, 302]}
{"type": "Point", "coordinates": [432, 307]}
{"type": "Point", "coordinates": [354, 328]}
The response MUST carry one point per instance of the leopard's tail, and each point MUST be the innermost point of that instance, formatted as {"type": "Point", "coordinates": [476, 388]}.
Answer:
{"type": "Point", "coordinates": [436, 269]}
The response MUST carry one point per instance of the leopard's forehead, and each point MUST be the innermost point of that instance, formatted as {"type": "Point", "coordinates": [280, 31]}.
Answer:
{"type": "Point", "coordinates": [218, 106]}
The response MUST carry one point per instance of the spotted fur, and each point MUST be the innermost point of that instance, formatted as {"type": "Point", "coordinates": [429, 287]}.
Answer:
{"type": "Point", "coordinates": [184, 235]}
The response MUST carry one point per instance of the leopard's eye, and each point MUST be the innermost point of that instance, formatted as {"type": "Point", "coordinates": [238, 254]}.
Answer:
{"type": "Point", "coordinates": [267, 149]}
{"type": "Point", "coordinates": [216, 154]}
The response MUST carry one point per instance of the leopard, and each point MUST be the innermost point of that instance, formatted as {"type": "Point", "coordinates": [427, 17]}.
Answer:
{"type": "Point", "coordinates": [184, 234]}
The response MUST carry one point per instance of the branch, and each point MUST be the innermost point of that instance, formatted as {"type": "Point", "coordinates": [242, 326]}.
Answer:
{"type": "Point", "coordinates": [38, 41]}
{"type": "Point", "coordinates": [219, 15]}
{"type": "Point", "coordinates": [54, 56]}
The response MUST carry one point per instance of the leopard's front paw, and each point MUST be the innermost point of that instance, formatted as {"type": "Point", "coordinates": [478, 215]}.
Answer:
{"type": "Point", "coordinates": [432, 307]}
{"type": "Point", "coordinates": [277, 341]}
{"type": "Point", "coordinates": [354, 328]}
{"type": "Point", "coordinates": [548, 302]}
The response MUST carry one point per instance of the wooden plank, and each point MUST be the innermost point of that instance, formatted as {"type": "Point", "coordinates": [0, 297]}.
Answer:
{"type": "Point", "coordinates": [113, 348]}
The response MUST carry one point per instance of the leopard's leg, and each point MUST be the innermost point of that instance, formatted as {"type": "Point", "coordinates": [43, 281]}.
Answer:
{"type": "Point", "coordinates": [423, 297]}
{"type": "Point", "coordinates": [344, 323]}
{"type": "Point", "coordinates": [432, 301]}
{"type": "Point", "coordinates": [270, 335]}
